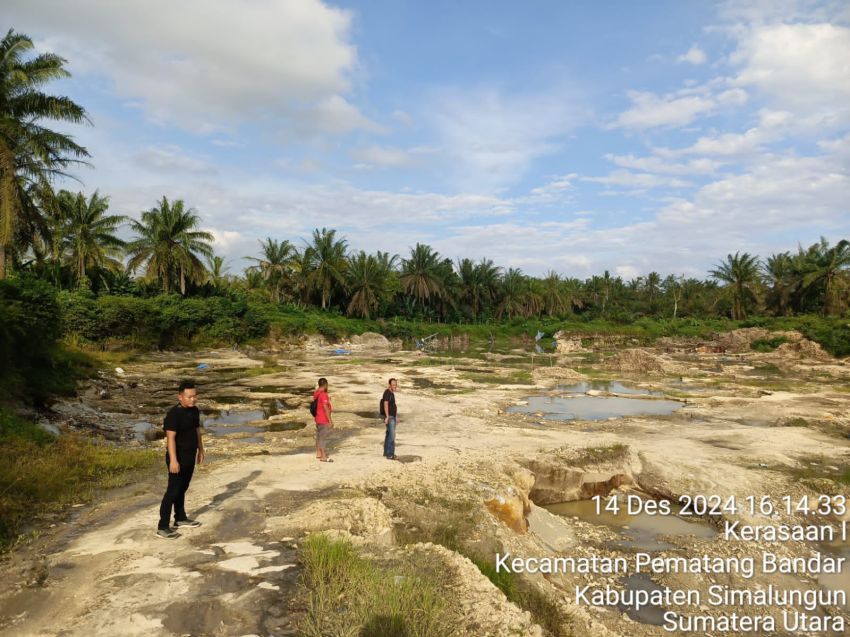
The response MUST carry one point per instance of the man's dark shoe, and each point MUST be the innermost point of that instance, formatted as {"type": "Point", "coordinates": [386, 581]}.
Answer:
{"type": "Point", "coordinates": [186, 523]}
{"type": "Point", "coordinates": [167, 534]}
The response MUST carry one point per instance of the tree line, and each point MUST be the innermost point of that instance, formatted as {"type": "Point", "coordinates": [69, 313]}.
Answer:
{"type": "Point", "coordinates": [73, 241]}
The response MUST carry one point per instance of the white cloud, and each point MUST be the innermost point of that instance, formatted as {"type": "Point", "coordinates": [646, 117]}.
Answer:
{"type": "Point", "coordinates": [627, 271]}
{"type": "Point", "coordinates": [802, 67]}
{"type": "Point", "coordinates": [732, 97]}
{"type": "Point", "coordinates": [403, 118]}
{"type": "Point", "coordinates": [382, 156]}
{"type": "Point", "coordinates": [777, 193]}
{"type": "Point", "coordinates": [651, 111]}
{"type": "Point", "coordinates": [169, 159]}
{"type": "Point", "coordinates": [556, 190]}
{"type": "Point", "coordinates": [226, 240]}
{"type": "Point", "coordinates": [533, 247]}
{"type": "Point", "coordinates": [637, 180]}
{"type": "Point", "coordinates": [695, 55]}
{"type": "Point", "coordinates": [772, 126]}
{"type": "Point", "coordinates": [701, 166]}
{"type": "Point", "coordinates": [336, 115]}
{"type": "Point", "coordinates": [207, 67]}
{"type": "Point", "coordinates": [493, 138]}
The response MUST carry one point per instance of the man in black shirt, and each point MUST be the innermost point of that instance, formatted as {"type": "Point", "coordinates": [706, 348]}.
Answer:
{"type": "Point", "coordinates": [390, 418]}
{"type": "Point", "coordinates": [184, 445]}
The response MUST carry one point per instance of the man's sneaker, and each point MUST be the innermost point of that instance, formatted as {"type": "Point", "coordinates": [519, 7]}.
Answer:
{"type": "Point", "coordinates": [167, 534]}
{"type": "Point", "coordinates": [186, 522]}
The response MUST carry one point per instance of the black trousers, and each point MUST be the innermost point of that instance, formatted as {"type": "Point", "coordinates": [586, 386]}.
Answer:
{"type": "Point", "coordinates": [175, 492]}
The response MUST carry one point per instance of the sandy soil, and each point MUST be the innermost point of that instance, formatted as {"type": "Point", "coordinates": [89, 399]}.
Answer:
{"type": "Point", "coordinates": [461, 459]}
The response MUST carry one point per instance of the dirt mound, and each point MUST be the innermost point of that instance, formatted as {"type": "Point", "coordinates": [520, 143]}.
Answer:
{"type": "Point", "coordinates": [544, 374]}
{"type": "Point", "coordinates": [638, 360]}
{"type": "Point", "coordinates": [362, 517]}
{"type": "Point", "coordinates": [740, 340]}
{"type": "Point", "coordinates": [564, 343]}
{"type": "Point", "coordinates": [483, 606]}
{"type": "Point", "coordinates": [370, 340]}
{"type": "Point", "coordinates": [804, 348]}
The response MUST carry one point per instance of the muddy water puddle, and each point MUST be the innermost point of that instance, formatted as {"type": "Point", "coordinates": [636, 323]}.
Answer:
{"type": "Point", "coordinates": [286, 426]}
{"type": "Point", "coordinates": [579, 401]}
{"type": "Point", "coordinates": [594, 407]}
{"type": "Point", "coordinates": [837, 581]}
{"type": "Point", "coordinates": [648, 614]}
{"type": "Point", "coordinates": [234, 422]}
{"type": "Point", "coordinates": [639, 532]}
{"type": "Point", "coordinates": [611, 387]}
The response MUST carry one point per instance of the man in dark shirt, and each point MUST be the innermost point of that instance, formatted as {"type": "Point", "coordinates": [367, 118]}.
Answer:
{"type": "Point", "coordinates": [184, 445]}
{"type": "Point", "coordinates": [390, 419]}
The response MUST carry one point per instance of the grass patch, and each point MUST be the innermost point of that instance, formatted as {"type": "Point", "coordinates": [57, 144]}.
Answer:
{"type": "Point", "coordinates": [454, 392]}
{"type": "Point", "coordinates": [520, 377]}
{"type": "Point", "coordinates": [823, 475]}
{"type": "Point", "coordinates": [598, 455]}
{"type": "Point", "coordinates": [40, 472]}
{"type": "Point", "coordinates": [768, 369]}
{"type": "Point", "coordinates": [348, 595]}
{"type": "Point", "coordinates": [227, 376]}
{"type": "Point", "coordinates": [767, 344]}
{"type": "Point", "coordinates": [544, 610]}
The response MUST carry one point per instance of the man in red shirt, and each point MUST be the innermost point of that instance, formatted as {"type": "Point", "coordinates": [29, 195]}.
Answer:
{"type": "Point", "coordinates": [324, 421]}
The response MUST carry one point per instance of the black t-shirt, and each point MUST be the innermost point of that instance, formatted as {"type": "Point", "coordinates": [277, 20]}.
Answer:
{"type": "Point", "coordinates": [185, 421]}
{"type": "Point", "coordinates": [390, 397]}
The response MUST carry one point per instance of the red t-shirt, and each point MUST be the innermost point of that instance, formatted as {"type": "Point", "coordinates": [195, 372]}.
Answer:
{"type": "Point", "coordinates": [323, 399]}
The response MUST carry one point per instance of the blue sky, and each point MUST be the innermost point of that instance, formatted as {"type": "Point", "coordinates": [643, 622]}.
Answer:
{"type": "Point", "coordinates": [572, 136]}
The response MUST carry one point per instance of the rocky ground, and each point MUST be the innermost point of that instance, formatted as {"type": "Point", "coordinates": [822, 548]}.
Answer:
{"type": "Point", "coordinates": [470, 481]}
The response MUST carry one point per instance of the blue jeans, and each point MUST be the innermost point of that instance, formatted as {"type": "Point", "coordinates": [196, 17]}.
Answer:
{"type": "Point", "coordinates": [389, 438]}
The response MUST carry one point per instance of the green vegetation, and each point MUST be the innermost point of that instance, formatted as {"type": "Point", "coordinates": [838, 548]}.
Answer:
{"type": "Point", "coordinates": [514, 378]}
{"type": "Point", "coordinates": [34, 366]}
{"type": "Point", "coordinates": [40, 472]}
{"type": "Point", "coordinates": [349, 595]}
{"type": "Point", "coordinates": [767, 344]}
{"type": "Point", "coordinates": [543, 608]}
{"type": "Point", "coordinates": [31, 154]}
{"type": "Point", "coordinates": [598, 455]}
{"type": "Point", "coordinates": [823, 475]}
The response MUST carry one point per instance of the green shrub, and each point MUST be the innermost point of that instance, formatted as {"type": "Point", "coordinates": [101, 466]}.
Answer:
{"type": "Point", "coordinates": [543, 608]}
{"type": "Point", "coordinates": [40, 472]}
{"type": "Point", "coordinates": [348, 595]}
{"type": "Point", "coordinates": [767, 344]}
{"type": "Point", "coordinates": [34, 366]}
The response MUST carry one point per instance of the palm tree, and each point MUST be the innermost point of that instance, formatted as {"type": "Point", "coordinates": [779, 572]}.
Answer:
{"type": "Point", "coordinates": [217, 273]}
{"type": "Point", "coordinates": [782, 274]}
{"type": "Point", "coordinates": [601, 288]}
{"type": "Point", "coordinates": [652, 286]}
{"type": "Point", "coordinates": [825, 266]}
{"type": "Point", "coordinates": [740, 273]}
{"type": "Point", "coordinates": [277, 265]}
{"type": "Point", "coordinates": [90, 238]}
{"type": "Point", "coordinates": [513, 302]}
{"type": "Point", "coordinates": [368, 276]}
{"type": "Point", "coordinates": [421, 274]}
{"type": "Point", "coordinates": [479, 283]}
{"type": "Point", "coordinates": [31, 155]}
{"type": "Point", "coordinates": [168, 243]}
{"type": "Point", "coordinates": [555, 302]}
{"type": "Point", "coordinates": [326, 263]}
